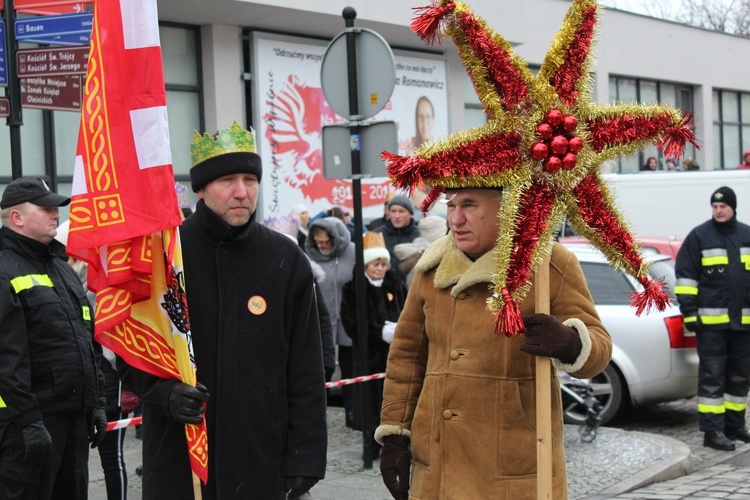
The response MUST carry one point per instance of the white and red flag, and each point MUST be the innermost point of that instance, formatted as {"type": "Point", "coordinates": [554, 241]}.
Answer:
{"type": "Point", "coordinates": [124, 212]}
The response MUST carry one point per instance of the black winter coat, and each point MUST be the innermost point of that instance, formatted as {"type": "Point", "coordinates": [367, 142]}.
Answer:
{"type": "Point", "coordinates": [713, 275]}
{"type": "Point", "coordinates": [257, 349]}
{"type": "Point", "coordinates": [384, 303]}
{"type": "Point", "coordinates": [47, 361]}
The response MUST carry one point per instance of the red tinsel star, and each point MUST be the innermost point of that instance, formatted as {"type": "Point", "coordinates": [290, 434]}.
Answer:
{"type": "Point", "coordinates": [543, 144]}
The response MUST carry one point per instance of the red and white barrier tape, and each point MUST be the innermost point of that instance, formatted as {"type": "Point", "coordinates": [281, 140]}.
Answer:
{"type": "Point", "coordinates": [355, 380]}
{"type": "Point", "coordinates": [130, 422]}
{"type": "Point", "coordinates": [121, 424]}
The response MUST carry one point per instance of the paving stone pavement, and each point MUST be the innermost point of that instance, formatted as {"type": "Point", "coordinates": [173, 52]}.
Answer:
{"type": "Point", "coordinates": [620, 463]}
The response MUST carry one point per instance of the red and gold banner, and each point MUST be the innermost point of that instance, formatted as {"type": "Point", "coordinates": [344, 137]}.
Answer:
{"type": "Point", "coordinates": [124, 212]}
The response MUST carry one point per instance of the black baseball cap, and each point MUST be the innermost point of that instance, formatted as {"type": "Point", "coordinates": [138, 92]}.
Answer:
{"type": "Point", "coordinates": [33, 190]}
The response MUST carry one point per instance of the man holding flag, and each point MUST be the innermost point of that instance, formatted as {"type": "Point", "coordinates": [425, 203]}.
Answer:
{"type": "Point", "coordinates": [256, 338]}
{"type": "Point", "coordinates": [256, 341]}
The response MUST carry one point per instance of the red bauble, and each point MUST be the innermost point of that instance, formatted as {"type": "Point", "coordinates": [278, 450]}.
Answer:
{"type": "Point", "coordinates": [570, 123]}
{"type": "Point", "coordinates": [554, 117]}
{"type": "Point", "coordinates": [545, 131]}
{"type": "Point", "coordinates": [559, 145]}
{"type": "Point", "coordinates": [539, 151]}
{"type": "Point", "coordinates": [575, 144]}
{"type": "Point", "coordinates": [569, 161]}
{"type": "Point", "coordinates": [552, 164]}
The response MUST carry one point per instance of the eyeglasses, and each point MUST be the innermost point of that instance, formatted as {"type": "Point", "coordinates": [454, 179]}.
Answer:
{"type": "Point", "coordinates": [323, 243]}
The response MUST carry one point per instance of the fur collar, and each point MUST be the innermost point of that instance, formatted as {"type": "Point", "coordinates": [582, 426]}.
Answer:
{"type": "Point", "coordinates": [454, 268]}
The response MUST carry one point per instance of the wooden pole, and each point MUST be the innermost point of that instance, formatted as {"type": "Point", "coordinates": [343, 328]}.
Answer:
{"type": "Point", "coordinates": [543, 393]}
{"type": "Point", "coordinates": [197, 487]}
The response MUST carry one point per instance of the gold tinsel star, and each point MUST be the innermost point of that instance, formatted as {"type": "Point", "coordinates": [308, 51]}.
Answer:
{"type": "Point", "coordinates": [543, 143]}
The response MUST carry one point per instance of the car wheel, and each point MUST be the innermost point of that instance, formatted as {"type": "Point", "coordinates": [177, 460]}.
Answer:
{"type": "Point", "coordinates": [609, 390]}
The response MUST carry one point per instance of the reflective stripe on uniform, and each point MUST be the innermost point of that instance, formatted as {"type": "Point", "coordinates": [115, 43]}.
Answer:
{"type": "Point", "coordinates": [690, 319]}
{"type": "Point", "coordinates": [710, 405]}
{"type": "Point", "coordinates": [684, 286]}
{"type": "Point", "coordinates": [22, 283]}
{"type": "Point", "coordinates": [746, 316]}
{"type": "Point", "coordinates": [2, 403]}
{"type": "Point", "coordinates": [714, 257]}
{"type": "Point", "coordinates": [745, 257]}
{"type": "Point", "coordinates": [714, 316]}
{"type": "Point", "coordinates": [735, 403]}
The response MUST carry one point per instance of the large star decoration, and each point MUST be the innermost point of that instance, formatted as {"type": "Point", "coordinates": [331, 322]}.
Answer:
{"type": "Point", "coordinates": [543, 144]}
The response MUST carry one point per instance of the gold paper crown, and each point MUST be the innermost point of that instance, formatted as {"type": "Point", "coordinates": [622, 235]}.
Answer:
{"type": "Point", "coordinates": [233, 140]}
{"type": "Point", "coordinates": [373, 240]}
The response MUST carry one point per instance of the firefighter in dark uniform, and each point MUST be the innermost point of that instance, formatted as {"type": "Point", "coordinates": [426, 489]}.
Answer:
{"type": "Point", "coordinates": [713, 288]}
{"type": "Point", "coordinates": [51, 392]}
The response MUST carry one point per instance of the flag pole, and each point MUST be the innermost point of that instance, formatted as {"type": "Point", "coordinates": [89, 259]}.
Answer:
{"type": "Point", "coordinates": [197, 487]}
{"type": "Point", "coordinates": [543, 392]}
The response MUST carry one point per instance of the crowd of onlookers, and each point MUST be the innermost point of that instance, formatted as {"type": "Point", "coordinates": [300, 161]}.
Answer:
{"type": "Point", "coordinates": [392, 246]}
{"type": "Point", "coordinates": [671, 164]}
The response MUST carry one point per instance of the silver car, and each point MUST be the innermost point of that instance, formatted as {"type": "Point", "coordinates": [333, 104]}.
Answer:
{"type": "Point", "coordinates": [654, 358]}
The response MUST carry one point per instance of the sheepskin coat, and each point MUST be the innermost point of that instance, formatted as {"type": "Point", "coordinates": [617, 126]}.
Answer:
{"type": "Point", "coordinates": [466, 395]}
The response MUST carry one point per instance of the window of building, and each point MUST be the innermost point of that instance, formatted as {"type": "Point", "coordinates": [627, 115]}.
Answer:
{"type": "Point", "coordinates": [624, 89]}
{"type": "Point", "coordinates": [182, 74]}
{"type": "Point", "coordinates": [731, 127]}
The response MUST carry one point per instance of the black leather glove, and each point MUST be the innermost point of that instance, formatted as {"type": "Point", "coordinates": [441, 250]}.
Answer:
{"type": "Point", "coordinates": [547, 336]}
{"type": "Point", "coordinates": [329, 373]}
{"type": "Point", "coordinates": [395, 465]}
{"type": "Point", "coordinates": [694, 326]}
{"type": "Point", "coordinates": [38, 442]}
{"type": "Point", "coordinates": [97, 420]}
{"type": "Point", "coordinates": [186, 403]}
{"type": "Point", "coordinates": [298, 485]}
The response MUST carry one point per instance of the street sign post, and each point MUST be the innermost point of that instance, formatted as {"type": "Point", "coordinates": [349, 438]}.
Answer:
{"type": "Point", "coordinates": [376, 78]}
{"type": "Point", "coordinates": [55, 61]}
{"type": "Point", "coordinates": [3, 56]}
{"type": "Point", "coordinates": [60, 93]}
{"type": "Point", "coordinates": [35, 28]}
{"type": "Point", "coordinates": [357, 91]}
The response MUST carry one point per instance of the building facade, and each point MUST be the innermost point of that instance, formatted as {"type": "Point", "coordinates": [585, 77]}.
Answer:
{"type": "Point", "coordinates": [258, 62]}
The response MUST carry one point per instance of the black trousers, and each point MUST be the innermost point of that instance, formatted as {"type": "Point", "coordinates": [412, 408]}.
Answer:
{"type": "Point", "coordinates": [723, 375]}
{"type": "Point", "coordinates": [64, 476]}
{"type": "Point", "coordinates": [112, 457]}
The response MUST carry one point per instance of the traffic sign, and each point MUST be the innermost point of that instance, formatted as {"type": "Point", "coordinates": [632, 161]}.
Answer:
{"type": "Point", "coordinates": [376, 73]}
{"type": "Point", "coordinates": [52, 61]}
{"type": "Point", "coordinates": [62, 40]}
{"type": "Point", "coordinates": [338, 144]}
{"type": "Point", "coordinates": [50, 26]}
{"type": "Point", "coordinates": [49, 7]}
{"type": "Point", "coordinates": [3, 55]}
{"type": "Point", "coordinates": [4, 107]}
{"type": "Point", "coordinates": [62, 93]}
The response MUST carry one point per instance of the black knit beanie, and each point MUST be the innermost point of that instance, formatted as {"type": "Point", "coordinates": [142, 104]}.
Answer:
{"type": "Point", "coordinates": [225, 164]}
{"type": "Point", "coordinates": [725, 195]}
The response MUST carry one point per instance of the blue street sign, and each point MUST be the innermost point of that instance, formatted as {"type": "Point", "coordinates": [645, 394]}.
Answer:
{"type": "Point", "coordinates": [3, 56]}
{"type": "Point", "coordinates": [62, 40]}
{"type": "Point", "coordinates": [46, 27]}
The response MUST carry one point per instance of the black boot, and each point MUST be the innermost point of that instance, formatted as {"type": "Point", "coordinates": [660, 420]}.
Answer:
{"type": "Point", "coordinates": [718, 441]}
{"type": "Point", "coordinates": [741, 434]}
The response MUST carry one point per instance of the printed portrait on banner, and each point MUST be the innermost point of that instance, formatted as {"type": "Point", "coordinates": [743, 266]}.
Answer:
{"type": "Point", "coordinates": [292, 112]}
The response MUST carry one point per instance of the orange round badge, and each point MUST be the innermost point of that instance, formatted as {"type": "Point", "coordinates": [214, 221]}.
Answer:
{"type": "Point", "coordinates": [256, 305]}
